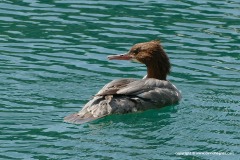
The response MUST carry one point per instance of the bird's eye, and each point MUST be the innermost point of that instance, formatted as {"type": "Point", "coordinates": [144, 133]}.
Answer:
{"type": "Point", "coordinates": [135, 51]}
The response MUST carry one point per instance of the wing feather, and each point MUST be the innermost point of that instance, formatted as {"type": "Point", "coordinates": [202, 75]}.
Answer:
{"type": "Point", "coordinates": [112, 87]}
{"type": "Point", "coordinates": [143, 85]}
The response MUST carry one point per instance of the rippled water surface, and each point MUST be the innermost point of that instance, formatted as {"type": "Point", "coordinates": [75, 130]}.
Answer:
{"type": "Point", "coordinates": [53, 59]}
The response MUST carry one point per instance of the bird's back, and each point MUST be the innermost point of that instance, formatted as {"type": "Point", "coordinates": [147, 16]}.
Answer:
{"type": "Point", "coordinates": [127, 95]}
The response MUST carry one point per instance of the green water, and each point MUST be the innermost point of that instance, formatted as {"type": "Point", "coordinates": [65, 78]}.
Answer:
{"type": "Point", "coordinates": [53, 60]}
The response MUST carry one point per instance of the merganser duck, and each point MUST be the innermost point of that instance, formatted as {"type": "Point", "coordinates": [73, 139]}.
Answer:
{"type": "Point", "coordinates": [132, 95]}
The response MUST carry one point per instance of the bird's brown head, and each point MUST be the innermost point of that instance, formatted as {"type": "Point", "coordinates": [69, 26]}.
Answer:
{"type": "Point", "coordinates": [152, 55]}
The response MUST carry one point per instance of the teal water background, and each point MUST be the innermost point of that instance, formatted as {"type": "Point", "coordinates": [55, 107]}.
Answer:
{"type": "Point", "coordinates": [53, 60]}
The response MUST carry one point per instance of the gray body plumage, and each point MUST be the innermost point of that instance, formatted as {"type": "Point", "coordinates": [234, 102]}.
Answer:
{"type": "Point", "coordinates": [127, 95]}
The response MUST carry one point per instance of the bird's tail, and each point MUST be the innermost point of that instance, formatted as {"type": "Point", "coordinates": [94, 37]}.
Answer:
{"type": "Point", "coordinates": [77, 119]}
{"type": "Point", "coordinates": [96, 108]}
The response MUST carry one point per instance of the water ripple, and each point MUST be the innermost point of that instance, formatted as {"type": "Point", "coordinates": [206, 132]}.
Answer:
{"type": "Point", "coordinates": [53, 59]}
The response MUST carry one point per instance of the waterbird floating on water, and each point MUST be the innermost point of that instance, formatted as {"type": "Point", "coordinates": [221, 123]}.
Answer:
{"type": "Point", "coordinates": [132, 95]}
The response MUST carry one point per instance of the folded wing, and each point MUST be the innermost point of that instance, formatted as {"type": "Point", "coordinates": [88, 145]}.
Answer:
{"type": "Point", "coordinates": [127, 95]}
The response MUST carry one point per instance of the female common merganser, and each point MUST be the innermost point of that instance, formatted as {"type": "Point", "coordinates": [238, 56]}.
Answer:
{"type": "Point", "coordinates": [131, 95]}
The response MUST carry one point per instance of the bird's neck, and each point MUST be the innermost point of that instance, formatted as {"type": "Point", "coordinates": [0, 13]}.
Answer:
{"type": "Point", "coordinates": [154, 70]}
